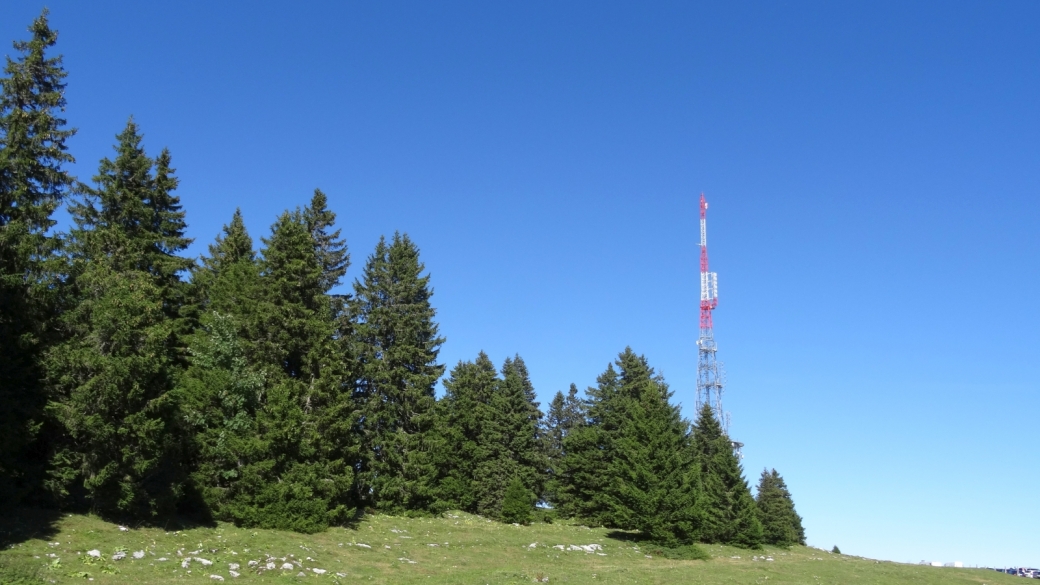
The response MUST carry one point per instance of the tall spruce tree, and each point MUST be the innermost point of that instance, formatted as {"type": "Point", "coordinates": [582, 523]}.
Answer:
{"type": "Point", "coordinates": [510, 441]}
{"type": "Point", "coordinates": [397, 342]}
{"type": "Point", "coordinates": [114, 374]}
{"type": "Point", "coordinates": [565, 412]}
{"type": "Point", "coordinates": [332, 253]}
{"type": "Point", "coordinates": [730, 513]}
{"type": "Point", "coordinates": [781, 525]}
{"type": "Point", "coordinates": [582, 474]}
{"type": "Point", "coordinates": [297, 472]}
{"type": "Point", "coordinates": [33, 183]}
{"type": "Point", "coordinates": [463, 416]}
{"type": "Point", "coordinates": [653, 482]}
{"type": "Point", "coordinates": [223, 387]}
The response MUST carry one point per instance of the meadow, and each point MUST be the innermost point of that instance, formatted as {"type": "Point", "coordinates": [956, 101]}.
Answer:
{"type": "Point", "coordinates": [41, 547]}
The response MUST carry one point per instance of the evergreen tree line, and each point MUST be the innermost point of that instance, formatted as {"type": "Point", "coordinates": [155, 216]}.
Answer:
{"type": "Point", "coordinates": [139, 383]}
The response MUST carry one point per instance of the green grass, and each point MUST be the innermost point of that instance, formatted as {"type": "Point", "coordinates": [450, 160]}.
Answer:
{"type": "Point", "coordinates": [458, 548]}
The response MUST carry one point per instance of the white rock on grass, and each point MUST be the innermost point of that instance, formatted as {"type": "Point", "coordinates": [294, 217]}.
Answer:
{"type": "Point", "coordinates": [234, 566]}
{"type": "Point", "coordinates": [533, 545]}
{"type": "Point", "coordinates": [123, 529]}
{"type": "Point", "coordinates": [253, 563]}
{"type": "Point", "coordinates": [94, 553]}
{"type": "Point", "coordinates": [560, 547]}
{"type": "Point", "coordinates": [185, 563]}
{"type": "Point", "coordinates": [287, 566]}
{"type": "Point", "coordinates": [162, 559]}
{"type": "Point", "coordinates": [318, 571]}
{"type": "Point", "coordinates": [205, 562]}
{"type": "Point", "coordinates": [118, 556]}
{"type": "Point", "coordinates": [270, 566]}
{"type": "Point", "coordinates": [409, 561]}
{"type": "Point", "coordinates": [234, 573]}
{"type": "Point", "coordinates": [139, 554]}
{"type": "Point", "coordinates": [363, 545]}
{"type": "Point", "coordinates": [216, 577]}
{"type": "Point", "coordinates": [341, 575]}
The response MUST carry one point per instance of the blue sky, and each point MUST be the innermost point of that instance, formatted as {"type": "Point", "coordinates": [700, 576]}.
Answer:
{"type": "Point", "coordinates": [872, 169]}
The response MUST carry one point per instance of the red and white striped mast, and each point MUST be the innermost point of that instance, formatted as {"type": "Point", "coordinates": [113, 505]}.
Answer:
{"type": "Point", "coordinates": [709, 370]}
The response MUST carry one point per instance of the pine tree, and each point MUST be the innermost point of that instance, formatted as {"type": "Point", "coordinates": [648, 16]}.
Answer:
{"type": "Point", "coordinates": [32, 185]}
{"type": "Point", "coordinates": [462, 419]}
{"type": "Point", "coordinates": [730, 512]}
{"type": "Point", "coordinates": [565, 412]}
{"type": "Point", "coordinates": [509, 441]}
{"type": "Point", "coordinates": [223, 388]}
{"type": "Point", "coordinates": [114, 374]}
{"type": "Point", "coordinates": [653, 484]}
{"type": "Point", "coordinates": [781, 525]}
{"type": "Point", "coordinates": [226, 281]}
{"type": "Point", "coordinates": [583, 471]}
{"type": "Point", "coordinates": [331, 250]}
{"type": "Point", "coordinates": [297, 470]}
{"type": "Point", "coordinates": [517, 503]}
{"type": "Point", "coordinates": [397, 343]}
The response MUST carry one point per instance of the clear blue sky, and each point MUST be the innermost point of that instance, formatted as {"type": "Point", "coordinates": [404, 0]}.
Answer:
{"type": "Point", "coordinates": [873, 171]}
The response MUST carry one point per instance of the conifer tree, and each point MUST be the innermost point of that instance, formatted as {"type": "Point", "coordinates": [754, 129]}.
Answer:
{"type": "Point", "coordinates": [223, 388]}
{"type": "Point", "coordinates": [509, 441]}
{"type": "Point", "coordinates": [298, 471]}
{"type": "Point", "coordinates": [654, 484]}
{"type": "Point", "coordinates": [227, 281]}
{"type": "Point", "coordinates": [33, 183]}
{"type": "Point", "coordinates": [582, 473]}
{"type": "Point", "coordinates": [114, 373]}
{"type": "Point", "coordinates": [730, 513]}
{"type": "Point", "coordinates": [462, 419]}
{"type": "Point", "coordinates": [397, 342]}
{"type": "Point", "coordinates": [781, 525]}
{"type": "Point", "coordinates": [565, 412]}
{"type": "Point", "coordinates": [330, 249]}
{"type": "Point", "coordinates": [517, 503]}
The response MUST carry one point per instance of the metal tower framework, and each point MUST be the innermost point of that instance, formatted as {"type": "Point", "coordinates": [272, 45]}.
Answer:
{"type": "Point", "coordinates": [710, 376]}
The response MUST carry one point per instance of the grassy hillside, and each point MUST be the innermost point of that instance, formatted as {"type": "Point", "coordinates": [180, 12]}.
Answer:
{"type": "Point", "coordinates": [459, 548]}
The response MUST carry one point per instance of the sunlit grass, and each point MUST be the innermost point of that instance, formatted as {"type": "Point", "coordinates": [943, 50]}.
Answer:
{"type": "Point", "coordinates": [457, 548]}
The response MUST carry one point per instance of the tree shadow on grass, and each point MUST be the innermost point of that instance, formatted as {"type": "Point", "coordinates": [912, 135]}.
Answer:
{"type": "Point", "coordinates": [18, 525]}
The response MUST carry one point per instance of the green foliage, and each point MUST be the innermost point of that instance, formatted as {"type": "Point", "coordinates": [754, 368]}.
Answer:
{"type": "Point", "coordinates": [32, 185]}
{"type": "Point", "coordinates": [396, 342]}
{"type": "Point", "coordinates": [565, 412]}
{"type": "Point", "coordinates": [222, 395]}
{"type": "Point", "coordinates": [730, 512]}
{"type": "Point", "coordinates": [630, 465]}
{"type": "Point", "coordinates": [462, 417]}
{"type": "Point", "coordinates": [517, 503]}
{"type": "Point", "coordinates": [330, 250]}
{"type": "Point", "coordinates": [509, 441]}
{"type": "Point", "coordinates": [836, 550]}
{"type": "Point", "coordinates": [293, 464]}
{"type": "Point", "coordinates": [113, 375]}
{"type": "Point", "coordinates": [781, 525]}
{"type": "Point", "coordinates": [655, 485]}
{"type": "Point", "coordinates": [487, 436]}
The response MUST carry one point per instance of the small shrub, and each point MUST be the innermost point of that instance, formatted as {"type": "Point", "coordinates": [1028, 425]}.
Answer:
{"type": "Point", "coordinates": [836, 550]}
{"type": "Point", "coordinates": [518, 503]}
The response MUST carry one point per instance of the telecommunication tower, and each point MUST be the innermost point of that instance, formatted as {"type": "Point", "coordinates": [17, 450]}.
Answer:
{"type": "Point", "coordinates": [709, 371]}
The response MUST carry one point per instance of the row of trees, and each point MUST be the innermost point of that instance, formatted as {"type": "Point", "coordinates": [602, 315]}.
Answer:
{"type": "Point", "coordinates": [141, 383]}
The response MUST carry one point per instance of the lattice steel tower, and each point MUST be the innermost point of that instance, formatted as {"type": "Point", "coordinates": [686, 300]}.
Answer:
{"type": "Point", "coordinates": [710, 377]}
